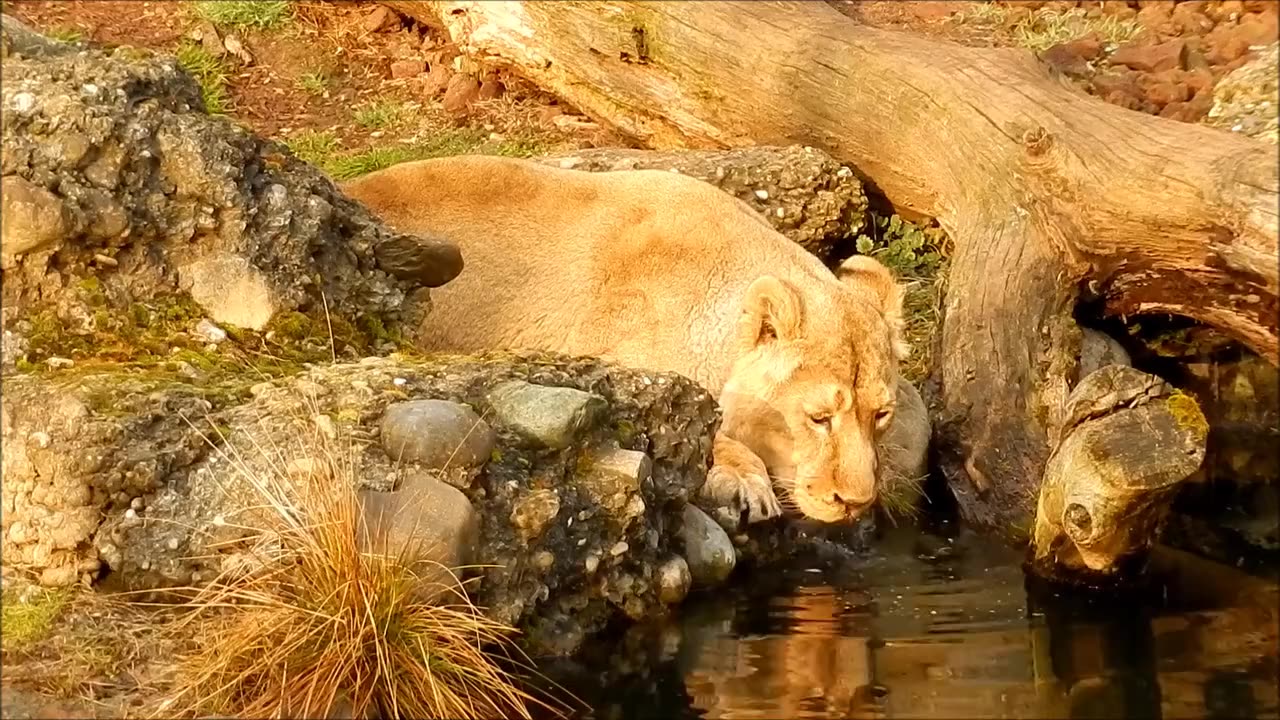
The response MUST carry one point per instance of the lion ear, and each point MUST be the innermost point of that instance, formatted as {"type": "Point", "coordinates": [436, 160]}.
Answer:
{"type": "Point", "coordinates": [865, 274]}
{"type": "Point", "coordinates": [772, 310]}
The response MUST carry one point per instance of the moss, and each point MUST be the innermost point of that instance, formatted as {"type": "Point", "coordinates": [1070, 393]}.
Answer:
{"type": "Point", "coordinates": [625, 432]}
{"type": "Point", "coordinates": [28, 623]}
{"type": "Point", "coordinates": [1187, 414]}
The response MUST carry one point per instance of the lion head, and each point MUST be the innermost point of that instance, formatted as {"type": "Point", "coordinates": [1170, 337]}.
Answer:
{"type": "Point", "coordinates": [814, 385]}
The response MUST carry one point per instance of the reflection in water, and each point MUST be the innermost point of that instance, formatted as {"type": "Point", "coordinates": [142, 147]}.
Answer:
{"type": "Point", "coordinates": [958, 633]}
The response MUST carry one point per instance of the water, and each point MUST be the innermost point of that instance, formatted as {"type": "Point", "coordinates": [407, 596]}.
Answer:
{"type": "Point", "coordinates": [937, 628]}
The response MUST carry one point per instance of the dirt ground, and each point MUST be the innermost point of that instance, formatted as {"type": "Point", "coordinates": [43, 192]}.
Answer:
{"type": "Point", "coordinates": [352, 86]}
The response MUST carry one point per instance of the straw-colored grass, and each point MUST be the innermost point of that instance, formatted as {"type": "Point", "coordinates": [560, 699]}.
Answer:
{"type": "Point", "coordinates": [331, 620]}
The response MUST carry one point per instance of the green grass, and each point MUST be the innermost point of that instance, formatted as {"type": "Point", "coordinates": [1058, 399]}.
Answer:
{"type": "Point", "coordinates": [210, 72]}
{"type": "Point", "coordinates": [379, 114]}
{"type": "Point", "coordinates": [314, 83]}
{"type": "Point", "coordinates": [27, 623]}
{"type": "Point", "coordinates": [64, 34]}
{"type": "Point", "coordinates": [243, 14]}
{"type": "Point", "coordinates": [322, 149]}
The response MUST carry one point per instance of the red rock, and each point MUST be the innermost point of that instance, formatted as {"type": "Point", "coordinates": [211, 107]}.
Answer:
{"type": "Point", "coordinates": [381, 19]}
{"type": "Point", "coordinates": [1115, 7]}
{"type": "Point", "coordinates": [1259, 28]}
{"type": "Point", "coordinates": [442, 55]}
{"type": "Point", "coordinates": [1088, 47]}
{"type": "Point", "coordinates": [1162, 94]}
{"type": "Point", "coordinates": [1199, 81]}
{"type": "Point", "coordinates": [1226, 10]}
{"type": "Point", "coordinates": [1260, 6]}
{"type": "Point", "coordinates": [1199, 105]}
{"type": "Point", "coordinates": [1226, 49]}
{"type": "Point", "coordinates": [401, 69]}
{"type": "Point", "coordinates": [491, 87]}
{"type": "Point", "coordinates": [1027, 4]}
{"type": "Point", "coordinates": [1156, 19]}
{"type": "Point", "coordinates": [1165, 7]}
{"type": "Point", "coordinates": [437, 79]}
{"type": "Point", "coordinates": [1190, 21]}
{"type": "Point", "coordinates": [1116, 81]}
{"type": "Point", "coordinates": [1150, 58]}
{"type": "Point", "coordinates": [463, 90]}
{"type": "Point", "coordinates": [548, 114]}
{"type": "Point", "coordinates": [1066, 61]}
{"type": "Point", "coordinates": [1173, 111]}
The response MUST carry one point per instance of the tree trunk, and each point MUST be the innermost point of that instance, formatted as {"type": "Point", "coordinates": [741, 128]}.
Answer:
{"type": "Point", "coordinates": [1050, 197]}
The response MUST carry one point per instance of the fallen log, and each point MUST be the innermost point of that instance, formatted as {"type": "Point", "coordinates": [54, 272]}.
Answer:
{"type": "Point", "coordinates": [1051, 198]}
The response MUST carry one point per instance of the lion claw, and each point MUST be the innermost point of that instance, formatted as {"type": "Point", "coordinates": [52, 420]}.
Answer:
{"type": "Point", "coordinates": [750, 495]}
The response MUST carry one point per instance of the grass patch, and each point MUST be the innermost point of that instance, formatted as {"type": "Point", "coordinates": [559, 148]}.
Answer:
{"type": "Point", "coordinates": [326, 617]}
{"type": "Point", "coordinates": [313, 83]}
{"type": "Point", "coordinates": [1047, 27]}
{"type": "Point", "coordinates": [322, 149]}
{"type": "Point", "coordinates": [243, 14]}
{"type": "Point", "coordinates": [28, 622]}
{"type": "Point", "coordinates": [64, 34]}
{"type": "Point", "coordinates": [379, 114]}
{"type": "Point", "coordinates": [210, 72]}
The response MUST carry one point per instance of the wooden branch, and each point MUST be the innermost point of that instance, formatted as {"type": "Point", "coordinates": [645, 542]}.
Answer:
{"type": "Point", "coordinates": [1049, 195]}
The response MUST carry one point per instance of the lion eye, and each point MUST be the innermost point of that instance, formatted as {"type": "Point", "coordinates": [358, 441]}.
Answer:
{"type": "Point", "coordinates": [823, 419]}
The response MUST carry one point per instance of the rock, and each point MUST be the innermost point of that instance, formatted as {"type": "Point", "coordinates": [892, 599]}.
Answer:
{"type": "Point", "coordinates": [810, 197]}
{"type": "Point", "coordinates": [437, 79]}
{"type": "Point", "coordinates": [1066, 60]}
{"type": "Point", "coordinates": [1151, 58]}
{"type": "Point", "coordinates": [31, 217]}
{"type": "Point", "coordinates": [427, 261]}
{"type": "Point", "coordinates": [195, 204]}
{"type": "Point", "coordinates": [1162, 94]}
{"type": "Point", "coordinates": [1259, 29]}
{"type": "Point", "coordinates": [549, 416]}
{"type": "Point", "coordinates": [1247, 100]}
{"type": "Point", "coordinates": [612, 477]}
{"type": "Point", "coordinates": [491, 88]}
{"type": "Point", "coordinates": [674, 580]}
{"type": "Point", "coordinates": [534, 513]}
{"type": "Point", "coordinates": [208, 330]}
{"type": "Point", "coordinates": [426, 519]}
{"type": "Point", "coordinates": [707, 548]}
{"type": "Point", "coordinates": [1097, 350]}
{"type": "Point", "coordinates": [61, 576]}
{"type": "Point", "coordinates": [460, 93]}
{"type": "Point", "coordinates": [437, 434]}
{"type": "Point", "coordinates": [403, 69]}
{"type": "Point", "coordinates": [381, 19]}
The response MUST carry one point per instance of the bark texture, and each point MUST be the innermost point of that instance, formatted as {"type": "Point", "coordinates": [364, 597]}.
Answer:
{"type": "Point", "coordinates": [1050, 197]}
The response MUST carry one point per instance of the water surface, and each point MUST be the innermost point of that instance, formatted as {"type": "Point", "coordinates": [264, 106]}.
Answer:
{"type": "Point", "coordinates": [930, 627]}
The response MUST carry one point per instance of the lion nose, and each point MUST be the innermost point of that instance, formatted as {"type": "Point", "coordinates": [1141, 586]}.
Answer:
{"type": "Point", "coordinates": [854, 500]}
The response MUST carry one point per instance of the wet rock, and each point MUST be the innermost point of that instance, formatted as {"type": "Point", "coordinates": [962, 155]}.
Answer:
{"type": "Point", "coordinates": [424, 518]}
{"type": "Point", "coordinates": [437, 434]}
{"type": "Point", "coordinates": [1151, 58]}
{"type": "Point", "coordinates": [707, 548]}
{"type": "Point", "coordinates": [674, 580]}
{"type": "Point", "coordinates": [613, 476]}
{"type": "Point", "coordinates": [548, 416]}
{"type": "Point", "coordinates": [533, 513]}
{"type": "Point", "coordinates": [31, 217]}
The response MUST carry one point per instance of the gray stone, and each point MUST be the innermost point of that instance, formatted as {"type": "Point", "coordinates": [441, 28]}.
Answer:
{"type": "Point", "coordinates": [549, 416]}
{"type": "Point", "coordinates": [674, 580]}
{"type": "Point", "coordinates": [1097, 350]}
{"type": "Point", "coordinates": [707, 548]}
{"type": "Point", "coordinates": [425, 518]}
{"type": "Point", "coordinates": [533, 513]}
{"type": "Point", "coordinates": [612, 477]}
{"type": "Point", "coordinates": [438, 434]}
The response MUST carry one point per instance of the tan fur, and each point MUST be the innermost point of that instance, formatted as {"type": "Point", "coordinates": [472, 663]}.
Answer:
{"type": "Point", "coordinates": [660, 271]}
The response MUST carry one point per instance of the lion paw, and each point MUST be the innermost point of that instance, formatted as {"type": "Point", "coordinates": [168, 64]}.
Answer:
{"type": "Point", "coordinates": [748, 494]}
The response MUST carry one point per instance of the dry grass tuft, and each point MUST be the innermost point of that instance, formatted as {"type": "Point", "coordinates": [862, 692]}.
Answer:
{"type": "Point", "coordinates": [329, 621]}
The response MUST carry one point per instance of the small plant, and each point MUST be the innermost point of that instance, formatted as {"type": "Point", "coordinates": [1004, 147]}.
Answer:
{"type": "Point", "coordinates": [1047, 28]}
{"type": "Point", "coordinates": [313, 83]}
{"type": "Point", "coordinates": [65, 34]}
{"type": "Point", "coordinates": [909, 250]}
{"type": "Point", "coordinates": [28, 620]}
{"type": "Point", "coordinates": [985, 13]}
{"type": "Point", "coordinates": [243, 14]}
{"type": "Point", "coordinates": [210, 72]}
{"type": "Point", "coordinates": [379, 114]}
{"type": "Point", "coordinates": [463, 141]}
{"type": "Point", "coordinates": [328, 616]}
{"type": "Point", "coordinates": [314, 147]}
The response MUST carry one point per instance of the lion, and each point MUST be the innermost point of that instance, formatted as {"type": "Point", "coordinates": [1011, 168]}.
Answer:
{"type": "Point", "coordinates": [659, 271]}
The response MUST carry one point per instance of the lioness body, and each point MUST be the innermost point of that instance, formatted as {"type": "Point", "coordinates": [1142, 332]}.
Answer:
{"type": "Point", "coordinates": [664, 272]}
